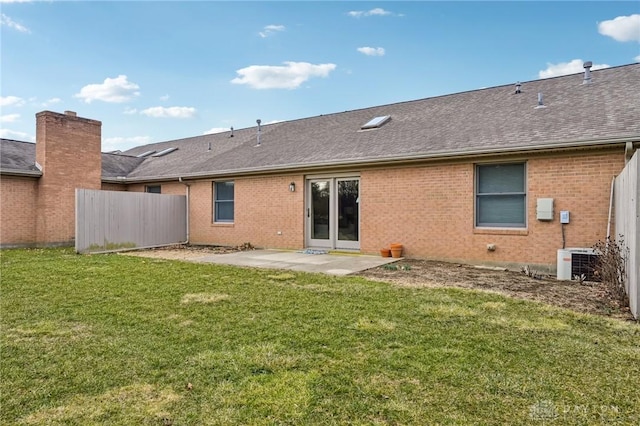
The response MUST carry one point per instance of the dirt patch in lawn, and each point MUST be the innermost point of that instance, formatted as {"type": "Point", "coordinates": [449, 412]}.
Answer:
{"type": "Point", "coordinates": [588, 297]}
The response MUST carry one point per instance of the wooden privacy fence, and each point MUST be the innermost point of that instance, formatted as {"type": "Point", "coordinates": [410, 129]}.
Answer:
{"type": "Point", "coordinates": [627, 207]}
{"type": "Point", "coordinates": [112, 220]}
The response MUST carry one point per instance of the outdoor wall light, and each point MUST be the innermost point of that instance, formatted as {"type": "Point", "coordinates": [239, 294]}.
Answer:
{"type": "Point", "coordinates": [292, 187]}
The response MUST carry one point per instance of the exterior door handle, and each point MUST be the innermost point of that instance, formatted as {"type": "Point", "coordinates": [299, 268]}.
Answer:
{"type": "Point", "coordinates": [308, 214]}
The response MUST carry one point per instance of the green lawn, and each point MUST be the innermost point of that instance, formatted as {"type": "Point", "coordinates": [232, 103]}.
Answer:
{"type": "Point", "coordinates": [115, 340]}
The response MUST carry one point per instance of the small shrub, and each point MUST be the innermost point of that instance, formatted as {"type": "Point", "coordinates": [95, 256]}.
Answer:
{"type": "Point", "coordinates": [531, 273]}
{"type": "Point", "coordinates": [611, 267]}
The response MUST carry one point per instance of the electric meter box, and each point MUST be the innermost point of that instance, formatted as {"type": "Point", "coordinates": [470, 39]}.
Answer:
{"type": "Point", "coordinates": [544, 209]}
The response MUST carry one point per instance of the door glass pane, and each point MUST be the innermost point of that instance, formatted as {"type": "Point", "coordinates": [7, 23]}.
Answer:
{"type": "Point", "coordinates": [348, 210]}
{"type": "Point", "coordinates": [320, 192]}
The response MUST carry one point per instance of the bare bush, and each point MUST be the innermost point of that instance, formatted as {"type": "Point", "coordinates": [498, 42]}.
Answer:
{"type": "Point", "coordinates": [611, 266]}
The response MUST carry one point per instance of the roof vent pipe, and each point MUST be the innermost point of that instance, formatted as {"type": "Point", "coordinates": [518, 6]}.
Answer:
{"type": "Point", "coordinates": [209, 149]}
{"type": "Point", "coordinates": [587, 72]}
{"type": "Point", "coordinates": [258, 121]}
{"type": "Point", "coordinates": [231, 135]}
{"type": "Point", "coordinates": [540, 101]}
{"type": "Point", "coordinates": [518, 86]}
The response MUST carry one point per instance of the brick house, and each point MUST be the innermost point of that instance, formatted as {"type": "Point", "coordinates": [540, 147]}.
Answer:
{"type": "Point", "coordinates": [477, 177]}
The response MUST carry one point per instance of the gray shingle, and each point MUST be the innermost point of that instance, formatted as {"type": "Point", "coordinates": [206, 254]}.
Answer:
{"type": "Point", "coordinates": [486, 120]}
{"type": "Point", "coordinates": [480, 121]}
{"type": "Point", "coordinates": [118, 165]}
{"type": "Point", "coordinates": [20, 157]}
{"type": "Point", "coordinates": [17, 156]}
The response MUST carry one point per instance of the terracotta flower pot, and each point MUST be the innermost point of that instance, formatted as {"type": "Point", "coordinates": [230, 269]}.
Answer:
{"type": "Point", "coordinates": [396, 245]}
{"type": "Point", "coordinates": [396, 251]}
{"type": "Point", "coordinates": [385, 252]}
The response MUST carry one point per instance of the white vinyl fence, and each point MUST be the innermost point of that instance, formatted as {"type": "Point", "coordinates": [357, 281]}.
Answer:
{"type": "Point", "coordinates": [627, 206]}
{"type": "Point", "coordinates": [113, 220]}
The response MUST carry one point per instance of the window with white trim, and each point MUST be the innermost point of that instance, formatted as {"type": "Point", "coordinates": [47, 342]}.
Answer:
{"type": "Point", "coordinates": [501, 195]}
{"type": "Point", "coordinates": [223, 204]}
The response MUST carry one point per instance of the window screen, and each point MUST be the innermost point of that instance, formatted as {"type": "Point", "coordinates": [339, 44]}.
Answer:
{"type": "Point", "coordinates": [501, 195]}
{"type": "Point", "coordinates": [224, 200]}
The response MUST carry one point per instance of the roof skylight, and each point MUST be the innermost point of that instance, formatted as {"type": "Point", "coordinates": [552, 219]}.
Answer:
{"type": "Point", "coordinates": [164, 152]}
{"type": "Point", "coordinates": [145, 154]}
{"type": "Point", "coordinates": [376, 122]}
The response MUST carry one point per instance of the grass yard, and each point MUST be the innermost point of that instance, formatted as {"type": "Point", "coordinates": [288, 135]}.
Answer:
{"type": "Point", "coordinates": [120, 340]}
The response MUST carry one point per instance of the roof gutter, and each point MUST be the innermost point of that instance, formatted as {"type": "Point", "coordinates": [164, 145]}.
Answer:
{"type": "Point", "coordinates": [392, 160]}
{"type": "Point", "coordinates": [19, 172]}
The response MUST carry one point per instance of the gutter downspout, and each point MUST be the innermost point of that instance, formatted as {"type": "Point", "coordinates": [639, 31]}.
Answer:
{"type": "Point", "coordinates": [628, 152]}
{"type": "Point", "coordinates": [188, 185]}
{"type": "Point", "coordinates": [613, 182]}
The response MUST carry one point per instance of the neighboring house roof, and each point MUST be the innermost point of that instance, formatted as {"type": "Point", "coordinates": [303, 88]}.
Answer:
{"type": "Point", "coordinates": [117, 165]}
{"type": "Point", "coordinates": [18, 158]}
{"type": "Point", "coordinates": [478, 122]}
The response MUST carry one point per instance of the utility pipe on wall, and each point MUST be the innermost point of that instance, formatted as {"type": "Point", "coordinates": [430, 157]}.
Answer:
{"type": "Point", "coordinates": [188, 185]}
{"type": "Point", "coordinates": [613, 182]}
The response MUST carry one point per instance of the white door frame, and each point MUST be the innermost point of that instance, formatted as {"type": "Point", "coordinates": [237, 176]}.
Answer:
{"type": "Point", "coordinates": [333, 239]}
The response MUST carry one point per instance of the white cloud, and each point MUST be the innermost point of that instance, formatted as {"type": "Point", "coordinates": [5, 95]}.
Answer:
{"type": "Point", "coordinates": [216, 130]}
{"type": "Point", "coordinates": [114, 90]}
{"type": "Point", "coordinates": [10, 134]}
{"type": "Point", "coordinates": [164, 97]}
{"type": "Point", "coordinates": [373, 12]}
{"type": "Point", "coordinates": [120, 143]}
{"type": "Point", "coordinates": [372, 51]}
{"type": "Point", "coordinates": [289, 76]}
{"type": "Point", "coordinates": [565, 68]}
{"type": "Point", "coordinates": [130, 111]}
{"type": "Point", "coordinates": [6, 21]}
{"type": "Point", "coordinates": [15, 1]}
{"type": "Point", "coordinates": [9, 118]}
{"type": "Point", "coordinates": [11, 101]}
{"type": "Point", "coordinates": [622, 28]}
{"type": "Point", "coordinates": [170, 112]}
{"type": "Point", "coordinates": [51, 101]}
{"type": "Point", "coordinates": [270, 30]}
{"type": "Point", "coordinates": [637, 58]}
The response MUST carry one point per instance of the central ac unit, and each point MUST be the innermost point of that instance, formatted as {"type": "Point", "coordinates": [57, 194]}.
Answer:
{"type": "Point", "coordinates": [580, 262]}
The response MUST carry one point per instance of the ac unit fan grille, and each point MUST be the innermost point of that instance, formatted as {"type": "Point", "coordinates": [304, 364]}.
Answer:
{"type": "Point", "coordinates": [584, 264]}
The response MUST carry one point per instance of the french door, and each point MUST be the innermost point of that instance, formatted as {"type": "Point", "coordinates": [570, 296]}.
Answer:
{"type": "Point", "coordinates": [333, 213]}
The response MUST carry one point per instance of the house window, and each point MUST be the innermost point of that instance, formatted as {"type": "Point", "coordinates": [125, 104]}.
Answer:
{"type": "Point", "coordinates": [223, 201]}
{"type": "Point", "coordinates": [501, 195]}
{"type": "Point", "coordinates": [153, 189]}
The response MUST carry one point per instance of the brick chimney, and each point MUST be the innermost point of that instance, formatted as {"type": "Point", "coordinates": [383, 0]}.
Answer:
{"type": "Point", "coordinates": [68, 151]}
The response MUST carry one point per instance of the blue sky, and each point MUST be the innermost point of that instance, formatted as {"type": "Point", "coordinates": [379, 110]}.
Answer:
{"type": "Point", "coordinates": [155, 71]}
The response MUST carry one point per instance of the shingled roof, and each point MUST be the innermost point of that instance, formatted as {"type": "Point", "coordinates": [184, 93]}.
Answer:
{"type": "Point", "coordinates": [478, 122]}
{"type": "Point", "coordinates": [492, 120]}
{"type": "Point", "coordinates": [18, 158]}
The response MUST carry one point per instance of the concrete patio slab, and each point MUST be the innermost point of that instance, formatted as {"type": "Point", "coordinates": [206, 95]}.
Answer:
{"type": "Point", "coordinates": [331, 263]}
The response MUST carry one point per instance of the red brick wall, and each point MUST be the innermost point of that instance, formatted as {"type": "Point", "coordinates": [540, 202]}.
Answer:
{"type": "Point", "coordinates": [68, 149]}
{"type": "Point", "coordinates": [166, 188]}
{"type": "Point", "coordinates": [18, 210]}
{"type": "Point", "coordinates": [430, 210]}
{"type": "Point", "coordinates": [264, 206]}
{"type": "Point", "coordinates": [113, 187]}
